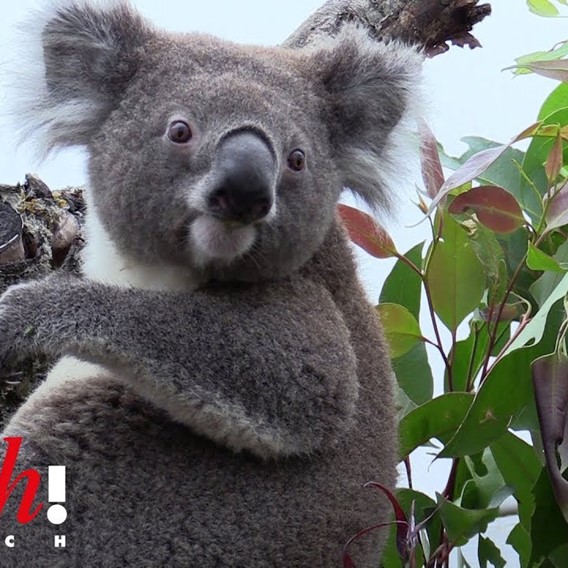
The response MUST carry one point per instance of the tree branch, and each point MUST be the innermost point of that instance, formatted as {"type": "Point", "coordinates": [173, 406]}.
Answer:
{"type": "Point", "coordinates": [430, 24]}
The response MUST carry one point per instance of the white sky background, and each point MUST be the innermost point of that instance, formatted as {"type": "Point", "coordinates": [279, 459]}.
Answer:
{"type": "Point", "coordinates": [468, 94]}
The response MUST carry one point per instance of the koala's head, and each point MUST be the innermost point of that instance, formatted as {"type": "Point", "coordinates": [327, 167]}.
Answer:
{"type": "Point", "coordinates": [225, 159]}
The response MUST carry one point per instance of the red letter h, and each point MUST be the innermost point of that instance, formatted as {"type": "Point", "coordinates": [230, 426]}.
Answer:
{"type": "Point", "coordinates": [25, 513]}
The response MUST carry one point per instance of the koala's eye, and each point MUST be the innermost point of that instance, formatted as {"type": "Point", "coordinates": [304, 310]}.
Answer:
{"type": "Point", "coordinates": [179, 132]}
{"type": "Point", "coordinates": [297, 161]}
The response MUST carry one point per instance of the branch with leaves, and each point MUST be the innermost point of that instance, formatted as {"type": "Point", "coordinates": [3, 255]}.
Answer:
{"type": "Point", "coordinates": [496, 268]}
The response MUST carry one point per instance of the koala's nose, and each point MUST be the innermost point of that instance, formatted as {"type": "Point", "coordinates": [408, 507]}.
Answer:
{"type": "Point", "coordinates": [244, 172]}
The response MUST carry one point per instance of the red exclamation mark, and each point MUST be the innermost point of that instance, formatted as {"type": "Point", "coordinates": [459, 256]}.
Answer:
{"type": "Point", "coordinates": [56, 514]}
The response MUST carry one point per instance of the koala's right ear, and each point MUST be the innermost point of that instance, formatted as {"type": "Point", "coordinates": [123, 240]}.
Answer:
{"type": "Point", "coordinates": [374, 94]}
{"type": "Point", "coordinates": [84, 54]}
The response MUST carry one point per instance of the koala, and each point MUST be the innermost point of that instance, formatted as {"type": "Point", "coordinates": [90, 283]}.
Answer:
{"type": "Point", "coordinates": [224, 390]}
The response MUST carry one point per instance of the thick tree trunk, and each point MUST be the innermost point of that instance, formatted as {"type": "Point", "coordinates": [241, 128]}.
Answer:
{"type": "Point", "coordinates": [41, 230]}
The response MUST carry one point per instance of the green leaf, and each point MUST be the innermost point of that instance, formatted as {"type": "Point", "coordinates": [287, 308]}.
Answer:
{"type": "Point", "coordinates": [401, 328]}
{"type": "Point", "coordinates": [545, 285]}
{"type": "Point", "coordinates": [488, 553]}
{"type": "Point", "coordinates": [487, 488]}
{"type": "Point", "coordinates": [391, 557]}
{"type": "Point", "coordinates": [558, 99]}
{"type": "Point", "coordinates": [548, 528]}
{"type": "Point", "coordinates": [506, 390]}
{"type": "Point", "coordinates": [403, 404]}
{"type": "Point", "coordinates": [468, 356]}
{"type": "Point", "coordinates": [534, 331]}
{"type": "Point", "coordinates": [557, 69]}
{"type": "Point", "coordinates": [560, 51]}
{"type": "Point", "coordinates": [520, 540]}
{"type": "Point", "coordinates": [559, 557]}
{"type": "Point", "coordinates": [538, 260]}
{"type": "Point", "coordinates": [438, 418]}
{"type": "Point", "coordinates": [403, 285]}
{"type": "Point", "coordinates": [517, 463]}
{"type": "Point", "coordinates": [526, 420]}
{"type": "Point", "coordinates": [463, 524]}
{"type": "Point", "coordinates": [455, 276]}
{"type": "Point", "coordinates": [492, 257]}
{"type": "Point", "coordinates": [515, 247]}
{"type": "Point", "coordinates": [534, 184]}
{"type": "Point", "coordinates": [414, 374]}
{"type": "Point", "coordinates": [543, 8]}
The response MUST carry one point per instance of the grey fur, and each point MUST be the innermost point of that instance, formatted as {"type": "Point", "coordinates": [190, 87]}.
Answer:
{"type": "Point", "coordinates": [234, 417]}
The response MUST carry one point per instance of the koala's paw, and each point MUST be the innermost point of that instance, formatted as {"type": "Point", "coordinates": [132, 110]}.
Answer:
{"type": "Point", "coordinates": [21, 310]}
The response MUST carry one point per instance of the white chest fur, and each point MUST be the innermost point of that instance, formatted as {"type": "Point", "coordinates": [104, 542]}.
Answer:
{"type": "Point", "coordinates": [104, 263]}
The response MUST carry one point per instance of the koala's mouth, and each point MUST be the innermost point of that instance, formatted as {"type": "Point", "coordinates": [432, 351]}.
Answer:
{"type": "Point", "coordinates": [218, 240]}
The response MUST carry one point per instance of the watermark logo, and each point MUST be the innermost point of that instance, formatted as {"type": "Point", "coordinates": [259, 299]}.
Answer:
{"type": "Point", "coordinates": [28, 509]}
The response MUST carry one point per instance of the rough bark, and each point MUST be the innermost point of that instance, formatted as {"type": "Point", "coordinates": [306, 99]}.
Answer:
{"type": "Point", "coordinates": [41, 230]}
{"type": "Point", "coordinates": [430, 24]}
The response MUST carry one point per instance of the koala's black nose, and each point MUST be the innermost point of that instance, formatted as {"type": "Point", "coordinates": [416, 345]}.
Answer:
{"type": "Point", "coordinates": [244, 172]}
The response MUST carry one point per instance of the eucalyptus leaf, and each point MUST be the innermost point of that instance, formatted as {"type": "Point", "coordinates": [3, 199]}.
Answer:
{"type": "Point", "coordinates": [462, 524]}
{"type": "Point", "coordinates": [414, 375]}
{"type": "Point", "coordinates": [439, 418]}
{"type": "Point", "coordinates": [520, 540]}
{"type": "Point", "coordinates": [539, 260]}
{"type": "Point", "coordinates": [488, 553]}
{"type": "Point", "coordinates": [556, 53]}
{"type": "Point", "coordinates": [543, 288]}
{"type": "Point", "coordinates": [403, 284]}
{"type": "Point", "coordinates": [535, 183]}
{"type": "Point", "coordinates": [518, 464]}
{"type": "Point", "coordinates": [455, 275]}
{"type": "Point", "coordinates": [495, 208]}
{"type": "Point", "coordinates": [543, 8]}
{"type": "Point", "coordinates": [506, 390]}
{"type": "Point", "coordinates": [548, 527]}
{"type": "Point", "coordinates": [467, 357]}
{"type": "Point", "coordinates": [402, 331]}
{"type": "Point", "coordinates": [365, 232]}
{"type": "Point", "coordinates": [432, 172]}
{"type": "Point", "coordinates": [534, 331]}
{"type": "Point", "coordinates": [487, 489]}
{"type": "Point", "coordinates": [558, 99]}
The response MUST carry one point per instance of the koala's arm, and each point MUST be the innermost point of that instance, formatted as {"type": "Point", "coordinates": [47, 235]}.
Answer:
{"type": "Point", "coordinates": [268, 368]}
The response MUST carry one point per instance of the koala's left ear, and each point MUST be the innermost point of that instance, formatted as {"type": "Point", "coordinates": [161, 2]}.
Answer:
{"type": "Point", "coordinates": [77, 59]}
{"type": "Point", "coordinates": [374, 94]}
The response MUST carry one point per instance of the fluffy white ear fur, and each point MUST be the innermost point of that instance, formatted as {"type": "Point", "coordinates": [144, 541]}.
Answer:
{"type": "Point", "coordinates": [377, 95]}
{"type": "Point", "coordinates": [50, 104]}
